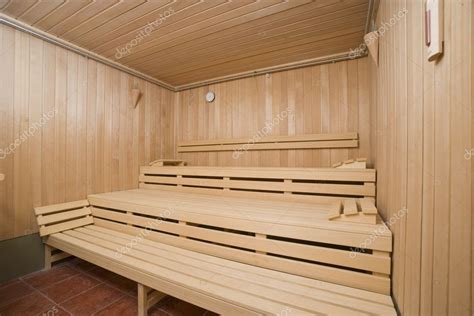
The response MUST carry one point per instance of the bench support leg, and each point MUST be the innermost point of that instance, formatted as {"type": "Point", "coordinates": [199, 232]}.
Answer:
{"type": "Point", "coordinates": [147, 297]}
{"type": "Point", "coordinates": [47, 257]}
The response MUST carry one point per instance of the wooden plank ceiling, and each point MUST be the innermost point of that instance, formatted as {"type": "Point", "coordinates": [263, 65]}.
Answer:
{"type": "Point", "coordinates": [196, 40]}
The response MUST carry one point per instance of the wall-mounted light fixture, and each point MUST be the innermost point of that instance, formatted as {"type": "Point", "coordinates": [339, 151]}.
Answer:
{"type": "Point", "coordinates": [210, 96]}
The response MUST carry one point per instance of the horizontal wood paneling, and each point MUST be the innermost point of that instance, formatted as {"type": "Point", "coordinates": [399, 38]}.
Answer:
{"type": "Point", "coordinates": [331, 98]}
{"type": "Point", "coordinates": [423, 118]}
{"type": "Point", "coordinates": [187, 41]}
{"type": "Point", "coordinates": [94, 141]}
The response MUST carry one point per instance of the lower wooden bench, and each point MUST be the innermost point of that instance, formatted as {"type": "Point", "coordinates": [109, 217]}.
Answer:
{"type": "Point", "coordinates": [223, 286]}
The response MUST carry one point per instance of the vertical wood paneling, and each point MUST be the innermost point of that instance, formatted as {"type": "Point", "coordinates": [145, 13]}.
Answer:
{"type": "Point", "coordinates": [320, 99]}
{"type": "Point", "coordinates": [7, 94]}
{"type": "Point", "coordinates": [422, 124]}
{"type": "Point", "coordinates": [92, 87]}
{"type": "Point", "coordinates": [461, 98]}
{"type": "Point", "coordinates": [21, 166]}
{"type": "Point", "coordinates": [94, 141]}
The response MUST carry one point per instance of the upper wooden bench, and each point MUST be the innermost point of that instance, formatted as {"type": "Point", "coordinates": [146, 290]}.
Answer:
{"type": "Point", "coordinates": [244, 241]}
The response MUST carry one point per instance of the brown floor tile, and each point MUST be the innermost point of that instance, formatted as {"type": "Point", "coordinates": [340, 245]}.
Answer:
{"type": "Point", "coordinates": [126, 306]}
{"type": "Point", "coordinates": [53, 311]}
{"type": "Point", "coordinates": [12, 291]}
{"type": "Point", "coordinates": [81, 264]}
{"type": "Point", "coordinates": [8, 283]}
{"type": "Point", "coordinates": [92, 301]}
{"type": "Point", "coordinates": [123, 284]}
{"type": "Point", "coordinates": [101, 274]}
{"type": "Point", "coordinates": [177, 307]}
{"type": "Point", "coordinates": [32, 304]}
{"type": "Point", "coordinates": [68, 288]}
{"type": "Point", "coordinates": [44, 279]}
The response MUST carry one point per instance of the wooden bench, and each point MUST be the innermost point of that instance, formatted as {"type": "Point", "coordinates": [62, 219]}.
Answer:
{"type": "Point", "coordinates": [236, 241]}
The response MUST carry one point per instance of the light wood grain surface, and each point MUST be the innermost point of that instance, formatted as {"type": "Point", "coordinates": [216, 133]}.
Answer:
{"type": "Point", "coordinates": [332, 98]}
{"type": "Point", "coordinates": [422, 125]}
{"type": "Point", "coordinates": [94, 140]}
{"type": "Point", "coordinates": [186, 41]}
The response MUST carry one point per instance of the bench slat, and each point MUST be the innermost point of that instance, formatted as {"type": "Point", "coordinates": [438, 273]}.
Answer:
{"type": "Point", "coordinates": [320, 174]}
{"type": "Point", "coordinates": [339, 189]}
{"type": "Point", "coordinates": [244, 194]}
{"type": "Point", "coordinates": [271, 139]}
{"type": "Point", "coordinates": [272, 146]}
{"type": "Point", "coordinates": [59, 217]}
{"type": "Point", "coordinates": [48, 230]}
{"type": "Point", "coordinates": [60, 207]}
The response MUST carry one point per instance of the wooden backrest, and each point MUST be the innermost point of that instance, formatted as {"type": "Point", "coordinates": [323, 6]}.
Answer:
{"type": "Point", "coordinates": [293, 184]}
{"type": "Point", "coordinates": [241, 145]}
{"type": "Point", "coordinates": [60, 217]}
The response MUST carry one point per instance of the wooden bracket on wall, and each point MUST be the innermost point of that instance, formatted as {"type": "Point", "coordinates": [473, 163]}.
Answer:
{"type": "Point", "coordinates": [135, 96]}
{"type": "Point", "coordinates": [372, 41]}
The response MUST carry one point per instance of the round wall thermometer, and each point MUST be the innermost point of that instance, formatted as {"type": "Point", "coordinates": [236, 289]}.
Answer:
{"type": "Point", "coordinates": [210, 96]}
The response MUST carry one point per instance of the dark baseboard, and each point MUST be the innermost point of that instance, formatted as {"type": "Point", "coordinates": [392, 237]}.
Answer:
{"type": "Point", "coordinates": [20, 256]}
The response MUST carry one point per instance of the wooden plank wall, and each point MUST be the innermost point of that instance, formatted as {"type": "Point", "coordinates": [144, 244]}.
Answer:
{"type": "Point", "coordinates": [327, 98]}
{"type": "Point", "coordinates": [422, 116]}
{"type": "Point", "coordinates": [95, 140]}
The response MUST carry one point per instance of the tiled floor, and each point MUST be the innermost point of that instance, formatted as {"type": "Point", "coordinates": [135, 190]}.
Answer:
{"type": "Point", "coordinates": [76, 287]}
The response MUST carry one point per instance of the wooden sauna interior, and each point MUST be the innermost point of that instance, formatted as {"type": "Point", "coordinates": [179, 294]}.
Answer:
{"type": "Point", "coordinates": [80, 116]}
